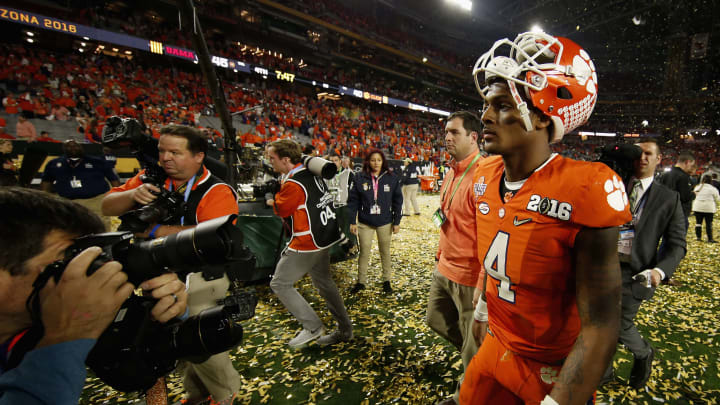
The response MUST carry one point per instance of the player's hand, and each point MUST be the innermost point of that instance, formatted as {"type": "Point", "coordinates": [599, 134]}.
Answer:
{"type": "Point", "coordinates": [655, 278]}
{"type": "Point", "coordinates": [81, 306]}
{"type": "Point", "coordinates": [145, 194]}
{"type": "Point", "coordinates": [396, 228]}
{"type": "Point", "coordinates": [479, 330]}
{"type": "Point", "coordinates": [270, 202]}
{"type": "Point", "coordinates": [353, 229]}
{"type": "Point", "coordinates": [170, 293]}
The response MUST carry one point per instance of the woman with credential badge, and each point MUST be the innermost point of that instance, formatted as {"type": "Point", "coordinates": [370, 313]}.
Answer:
{"type": "Point", "coordinates": [375, 203]}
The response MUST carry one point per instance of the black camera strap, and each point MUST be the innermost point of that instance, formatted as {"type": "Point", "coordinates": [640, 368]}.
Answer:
{"type": "Point", "coordinates": [28, 339]}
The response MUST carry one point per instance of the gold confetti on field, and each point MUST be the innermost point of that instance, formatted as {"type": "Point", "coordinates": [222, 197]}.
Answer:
{"type": "Point", "coordinates": [396, 359]}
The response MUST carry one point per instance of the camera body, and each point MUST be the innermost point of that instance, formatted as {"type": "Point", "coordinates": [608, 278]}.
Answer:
{"type": "Point", "coordinates": [270, 187]}
{"type": "Point", "coordinates": [135, 350]}
{"type": "Point", "coordinates": [167, 207]}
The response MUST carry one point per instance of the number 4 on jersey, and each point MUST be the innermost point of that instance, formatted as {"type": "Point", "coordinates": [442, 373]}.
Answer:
{"type": "Point", "coordinates": [494, 263]}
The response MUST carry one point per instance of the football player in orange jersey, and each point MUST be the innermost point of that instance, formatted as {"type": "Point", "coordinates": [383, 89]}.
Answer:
{"type": "Point", "coordinates": [546, 231]}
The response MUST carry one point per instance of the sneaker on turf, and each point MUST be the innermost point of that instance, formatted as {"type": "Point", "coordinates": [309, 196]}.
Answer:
{"type": "Point", "coordinates": [335, 337]}
{"type": "Point", "coordinates": [305, 336]}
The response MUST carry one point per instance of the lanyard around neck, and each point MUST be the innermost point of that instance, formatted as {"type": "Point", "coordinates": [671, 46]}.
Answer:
{"type": "Point", "coordinates": [457, 185]}
{"type": "Point", "coordinates": [376, 185]}
{"type": "Point", "coordinates": [294, 170]}
{"type": "Point", "coordinates": [188, 188]}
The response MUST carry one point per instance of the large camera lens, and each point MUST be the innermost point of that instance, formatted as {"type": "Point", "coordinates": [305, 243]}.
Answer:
{"type": "Point", "coordinates": [320, 167]}
{"type": "Point", "coordinates": [212, 242]}
{"type": "Point", "coordinates": [211, 331]}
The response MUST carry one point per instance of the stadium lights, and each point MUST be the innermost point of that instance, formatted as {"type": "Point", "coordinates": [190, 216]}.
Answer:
{"type": "Point", "coordinates": [86, 38]}
{"type": "Point", "coordinates": [30, 33]}
{"type": "Point", "coordinates": [30, 40]}
{"type": "Point", "coordinates": [645, 123]}
{"type": "Point", "coordinates": [128, 53]}
{"type": "Point", "coordinates": [115, 49]}
{"type": "Point", "coordinates": [424, 59]}
{"type": "Point", "coordinates": [81, 50]}
{"type": "Point", "coordinates": [82, 44]}
{"type": "Point", "coordinates": [463, 4]}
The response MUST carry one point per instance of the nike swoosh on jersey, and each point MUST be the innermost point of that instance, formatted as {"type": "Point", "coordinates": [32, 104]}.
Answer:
{"type": "Point", "coordinates": [517, 222]}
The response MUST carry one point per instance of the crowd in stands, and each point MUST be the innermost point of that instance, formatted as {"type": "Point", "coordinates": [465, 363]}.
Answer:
{"type": "Point", "coordinates": [402, 36]}
{"type": "Point", "coordinates": [151, 25]}
{"type": "Point", "coordinates": [90, 88]}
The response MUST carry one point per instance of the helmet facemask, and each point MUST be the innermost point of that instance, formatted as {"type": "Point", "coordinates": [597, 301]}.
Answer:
{"type": "Point", "coordinates": [556, 75]}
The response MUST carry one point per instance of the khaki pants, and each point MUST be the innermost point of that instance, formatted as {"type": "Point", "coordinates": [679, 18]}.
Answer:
{"type": "Point", "coordinates": [450, 315]}
{"type": "Point", "coordinates": [217, 375]}
{"type": "Point", "coordinates": [365, 237]}
{"type": "Point", "coordinates": [94, 204]}
{"type": "Point", "coordinates": [409, 193]}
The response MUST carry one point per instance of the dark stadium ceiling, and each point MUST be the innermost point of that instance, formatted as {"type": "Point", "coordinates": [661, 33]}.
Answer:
{"type": "Point", "coordinates": [607, 29]}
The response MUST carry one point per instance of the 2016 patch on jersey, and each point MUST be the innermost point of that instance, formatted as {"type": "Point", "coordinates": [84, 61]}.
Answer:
{"type": "Point", "coordinates": [550, 207]}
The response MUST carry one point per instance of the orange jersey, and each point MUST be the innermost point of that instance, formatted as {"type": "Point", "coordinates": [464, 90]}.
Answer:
{"type": "Point", "coordinates": [525, 246]}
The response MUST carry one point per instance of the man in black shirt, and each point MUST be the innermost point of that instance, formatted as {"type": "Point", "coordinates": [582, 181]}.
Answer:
{"type": "Point", "coordinates": [678, 179]}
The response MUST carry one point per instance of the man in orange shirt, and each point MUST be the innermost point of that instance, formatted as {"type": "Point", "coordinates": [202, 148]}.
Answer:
{"type": "Point", "coordinates": [181, 153]}
{"type": "Point", "coordinates": [450, 301]}
{"type": "Point", "coordinates": [547, 232]}
{"type": "Point", "coordinates": [306, 201]}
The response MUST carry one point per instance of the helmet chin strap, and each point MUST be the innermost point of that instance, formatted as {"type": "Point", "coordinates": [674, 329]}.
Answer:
{"type": "Point", "coordinates": [521, 105]}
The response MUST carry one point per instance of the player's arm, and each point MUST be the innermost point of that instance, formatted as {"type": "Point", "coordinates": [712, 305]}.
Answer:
{"type": "Point", "coordinates": [598, 286]}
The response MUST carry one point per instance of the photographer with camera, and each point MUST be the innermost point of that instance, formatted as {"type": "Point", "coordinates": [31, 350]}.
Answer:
{"type": "Point", "coordinates": [74, 311]}
{"type": "Point", "coordinates": [305, 199]}
{"type": "Point", "coordinates": [181, 153]}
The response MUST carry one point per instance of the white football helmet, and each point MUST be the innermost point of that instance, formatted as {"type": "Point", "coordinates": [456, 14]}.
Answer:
{"type": "Point", "coordinates": [556, 74]}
